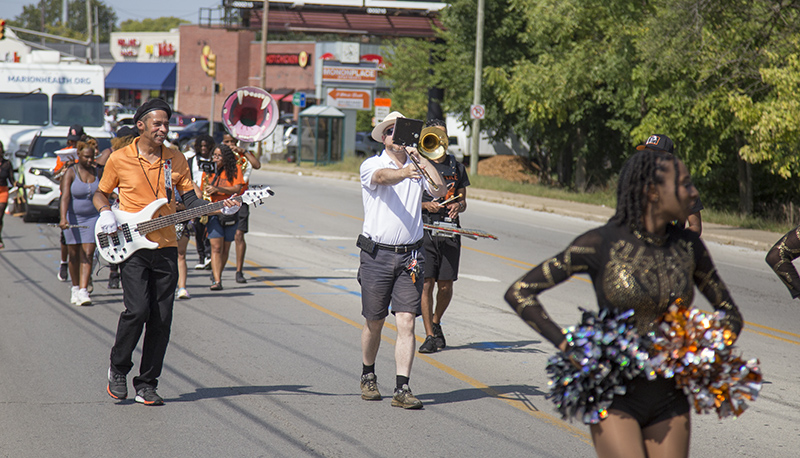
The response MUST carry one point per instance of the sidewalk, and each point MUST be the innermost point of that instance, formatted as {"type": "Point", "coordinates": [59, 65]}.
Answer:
{"type": "Point", "coordinates": [726, 235]}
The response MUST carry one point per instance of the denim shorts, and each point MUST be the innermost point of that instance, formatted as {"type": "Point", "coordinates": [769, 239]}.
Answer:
{"type": "Point", "coordinates": [217, 230]}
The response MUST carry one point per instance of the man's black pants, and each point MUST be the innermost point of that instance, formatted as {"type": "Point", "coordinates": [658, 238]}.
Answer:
{"type": "Point", "coordinates": [149, 278]}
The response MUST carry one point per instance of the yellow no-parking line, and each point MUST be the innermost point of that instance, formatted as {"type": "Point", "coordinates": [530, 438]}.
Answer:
{"type": "Point", "coordinates": [518, 403]}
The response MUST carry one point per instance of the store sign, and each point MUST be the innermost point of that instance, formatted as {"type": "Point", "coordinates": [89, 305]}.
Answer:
{"type": "Point", "coordinates": [300, 59]}
{"type": "Point", "coordinates": [335, 72]}
{"type": "Point", "coordinates": [160, 50]}
{"type": "Point", "coordinates": [128, 47]}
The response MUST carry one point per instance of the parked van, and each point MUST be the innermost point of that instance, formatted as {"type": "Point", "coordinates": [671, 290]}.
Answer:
{"type": "Point", "coordinates": [461, 143]}
{"type": "Point", "coordinates": [48, 97]}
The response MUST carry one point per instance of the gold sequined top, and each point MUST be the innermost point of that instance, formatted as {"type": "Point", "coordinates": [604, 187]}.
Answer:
{"type": "Point", "coordinates": [628, 270]}
{"type": "Point", "coordinates": [780, 258]}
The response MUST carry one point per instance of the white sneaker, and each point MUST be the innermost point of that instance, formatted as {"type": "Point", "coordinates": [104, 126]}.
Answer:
{"type": "Point", "coordinates": [183, 294]}
{"type": "Point", "coordinates": [83, 297]}
{"type": "Point", "coordinates": [74, 295]}
{"type": "Point", "coordinates": [199, 266]}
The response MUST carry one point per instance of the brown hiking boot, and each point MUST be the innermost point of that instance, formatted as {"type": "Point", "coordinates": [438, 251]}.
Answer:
{"type": "Point", "coordinates": [403, 398]}
{"type": "Point", "coordinates": [369, 387]}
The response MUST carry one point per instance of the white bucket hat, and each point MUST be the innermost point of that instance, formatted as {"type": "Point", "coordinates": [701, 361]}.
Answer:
{"type": "Point", "coordinates": [377, 132]}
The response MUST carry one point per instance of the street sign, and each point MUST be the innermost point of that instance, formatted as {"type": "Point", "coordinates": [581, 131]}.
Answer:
{"type": "Point", "coordinates": [381, 112]}
{"type": "Point", "coordinates": [353, 99]}
{"type": "Point", "coordinates": [383, 102]}
{"type": "Point", "coordinates": [477, 111]}
{"type": "Point", "coordinates": [299, 99]}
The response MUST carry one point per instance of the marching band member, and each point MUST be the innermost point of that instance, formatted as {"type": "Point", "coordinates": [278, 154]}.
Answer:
{"type": "Point", "coordinates": [442, 253]}
{"type": "Point", "coordinates": [391, 258]}
{"type": "Point", "coordinates": [244, 213]}
{"type": "Point", "coordinates": [145, 171]}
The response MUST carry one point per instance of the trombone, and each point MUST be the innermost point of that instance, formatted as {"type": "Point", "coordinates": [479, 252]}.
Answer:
{"type": "Point", "coordinates": [422, 170]}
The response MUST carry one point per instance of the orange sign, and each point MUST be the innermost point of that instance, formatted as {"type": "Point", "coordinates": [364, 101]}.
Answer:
{"type": "Point", "coordinates": [355, 99]}
{"type": "Point", "coordinates": [383, 102]}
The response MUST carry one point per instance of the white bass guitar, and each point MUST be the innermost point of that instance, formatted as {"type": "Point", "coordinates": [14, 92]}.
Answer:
{"type": "Point", "coordinates": [133, 227]}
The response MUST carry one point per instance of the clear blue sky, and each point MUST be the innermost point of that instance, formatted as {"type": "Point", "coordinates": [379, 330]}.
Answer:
{"type": "Point", "coordinates": [131, 9]}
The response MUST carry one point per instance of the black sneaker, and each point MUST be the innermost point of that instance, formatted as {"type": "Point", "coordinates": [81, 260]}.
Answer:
{"type": "Point", "coordinates": [148, 397]}
{"type": "Point", "coordinates": [438, 336]}
{"type": "Point", "coordinates": [117, 385]}
{"type": "Point", "coordinates": [429, 346]}
{"type": "Point", "coordinates": [369, 387]}
{"type": "Point", "coordinates": [113, 282]}
{"type": "Point", "coordinates": [403, 398]}
{"type": "Point", "coordinates": [63, 272]}
{"type": "Point", "coordinates": [240, 277]}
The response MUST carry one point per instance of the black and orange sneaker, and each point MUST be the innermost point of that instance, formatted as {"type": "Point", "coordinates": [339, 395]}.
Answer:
{"type": "Point", "coordinates": [117, 385]}
{"type": "Point", "coordinates": [148, 397]}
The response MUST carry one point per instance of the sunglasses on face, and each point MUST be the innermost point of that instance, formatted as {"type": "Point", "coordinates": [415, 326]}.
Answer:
{"type": "Point", "coordinates": [388, 131]}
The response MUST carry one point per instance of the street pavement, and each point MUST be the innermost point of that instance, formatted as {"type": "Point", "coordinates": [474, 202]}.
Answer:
{"type": "Point", "coordinates": [725, 235]}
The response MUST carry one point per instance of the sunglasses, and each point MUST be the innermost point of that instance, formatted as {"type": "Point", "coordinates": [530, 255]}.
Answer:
{"type": "Point", "coordinates": [388, 131]}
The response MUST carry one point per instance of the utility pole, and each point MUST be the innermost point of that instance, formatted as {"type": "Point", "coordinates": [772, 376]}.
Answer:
{"type": "Point", "coordinates": [89, 31]}
{"type": "Point", "coordinates": [64, 13]}
{"type": "Point", "coordinates": [476, 99]}
{"type": "Point", "coordinates": [264, 18]}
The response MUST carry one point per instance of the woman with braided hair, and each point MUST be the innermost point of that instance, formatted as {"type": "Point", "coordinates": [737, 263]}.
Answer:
{"type": "Point", "coordinates": [226, 182]}
{"type": "Point", "coordinates": [639, 261]}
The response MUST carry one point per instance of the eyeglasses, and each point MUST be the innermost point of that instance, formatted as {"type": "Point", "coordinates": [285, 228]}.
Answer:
{"type": "Point", "coordinates": [388, 131]}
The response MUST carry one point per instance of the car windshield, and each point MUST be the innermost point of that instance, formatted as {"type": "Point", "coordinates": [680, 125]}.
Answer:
{"type": "Point", "coordinates": [86, 110]}
{"type": "Point", "coordinates": [24, 109]}
{"type": "Point", "coordinates": [47, 146]}
{"type": "Point", "coordinates": [197, 126]}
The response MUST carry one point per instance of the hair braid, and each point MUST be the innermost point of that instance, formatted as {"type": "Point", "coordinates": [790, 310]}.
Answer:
{"type": "Point", "coordinates": [643, 169]}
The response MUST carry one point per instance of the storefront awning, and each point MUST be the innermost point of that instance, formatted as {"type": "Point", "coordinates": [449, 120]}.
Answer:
{"type": "Point", "coordinates": [142, 76]}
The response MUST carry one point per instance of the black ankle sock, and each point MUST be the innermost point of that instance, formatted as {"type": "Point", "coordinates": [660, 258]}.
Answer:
{"type": "Point", "coordinates": [367, 369]}
{"type": "Point", "coordinates": [401, 380]}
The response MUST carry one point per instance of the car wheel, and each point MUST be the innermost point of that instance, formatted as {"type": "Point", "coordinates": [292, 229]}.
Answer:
{"type": "Point", "coordinates": [30, 216]}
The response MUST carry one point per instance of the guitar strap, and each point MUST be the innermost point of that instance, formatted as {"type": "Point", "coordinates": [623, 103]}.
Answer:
{"type": "Point", "coordinates": [168, 178]}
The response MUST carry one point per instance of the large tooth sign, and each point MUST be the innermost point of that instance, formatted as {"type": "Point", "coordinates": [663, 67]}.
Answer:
{"type": "Point", "coordinates": [250, 114]}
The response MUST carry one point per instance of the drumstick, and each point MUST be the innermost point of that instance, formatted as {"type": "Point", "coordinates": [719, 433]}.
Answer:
{"type": "Point", "coordinates": [445, 202]}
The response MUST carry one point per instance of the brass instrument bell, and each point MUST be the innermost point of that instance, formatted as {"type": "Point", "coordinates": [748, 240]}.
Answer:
{"type": "Point", "coordinates": [433, 143]}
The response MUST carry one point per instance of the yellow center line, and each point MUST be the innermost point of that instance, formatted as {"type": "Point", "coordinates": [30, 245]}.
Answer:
{"type": "Point", "coordinates": [519, 402]}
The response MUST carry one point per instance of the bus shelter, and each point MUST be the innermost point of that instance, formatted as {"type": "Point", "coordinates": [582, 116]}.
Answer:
{"type": "Point", "coordinates": [320, 136]}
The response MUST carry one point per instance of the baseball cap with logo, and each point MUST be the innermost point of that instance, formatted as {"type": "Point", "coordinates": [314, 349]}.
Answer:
{"type": "Point", "coordinates": [75, 132]}
{"type": "Point", "coordinates": [658, 142]}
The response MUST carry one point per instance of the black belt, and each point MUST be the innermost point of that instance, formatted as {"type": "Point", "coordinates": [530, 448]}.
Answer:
{"type": "Point", "coordinates": [400, 248]}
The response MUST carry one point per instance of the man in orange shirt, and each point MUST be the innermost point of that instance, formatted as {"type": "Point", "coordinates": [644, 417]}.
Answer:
{"type": "Point", "coordinates": [145, 171]}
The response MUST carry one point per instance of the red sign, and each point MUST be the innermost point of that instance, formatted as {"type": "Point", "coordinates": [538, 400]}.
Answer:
{"type": "Point", "coordinates": [300, 59]}
{"type": "Point", "coordinates": [383, 102]}
{"type": "Point", "coordinates": [357, 99]}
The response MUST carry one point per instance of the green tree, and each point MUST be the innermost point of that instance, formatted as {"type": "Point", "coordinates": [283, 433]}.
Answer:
{"type": "Point", "coordinates": [46, 16]}
{"type": "Point", "coordinates": [407, 73]}
{"type": "Point", "coordinates": [162, 24]}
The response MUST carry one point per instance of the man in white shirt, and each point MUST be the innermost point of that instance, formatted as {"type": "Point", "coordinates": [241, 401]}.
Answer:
{"type": "Point", "coordinates": [391, 260]}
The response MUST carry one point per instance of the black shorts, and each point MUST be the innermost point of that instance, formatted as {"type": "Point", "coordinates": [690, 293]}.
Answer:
{"type": "Point", "coordinates": [384, 279]}
{"type": "Point", "coordinates": [243, 218]}
{"type": "Point", "coordinates": [442, 257]}
{"type": "Point", "coordinates": [651, 402]}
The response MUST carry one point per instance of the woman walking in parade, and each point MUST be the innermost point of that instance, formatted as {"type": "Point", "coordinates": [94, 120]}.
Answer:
{"type": "Point", "coordinates": [78, 218]}
{"type": "Point", "coordinates": [638, 261]}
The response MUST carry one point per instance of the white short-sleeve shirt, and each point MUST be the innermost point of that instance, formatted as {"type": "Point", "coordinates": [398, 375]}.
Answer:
{"type": "Point", "coordinates": [392, 214]}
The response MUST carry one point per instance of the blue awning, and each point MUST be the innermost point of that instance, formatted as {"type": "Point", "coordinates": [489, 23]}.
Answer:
{"type": "Point", "coordinates": [142, 76]}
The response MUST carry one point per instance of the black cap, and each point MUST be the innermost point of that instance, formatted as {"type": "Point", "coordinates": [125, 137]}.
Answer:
{"type": "Point", "coordinates": [124, 131]}
{"type": "Point", "coordinates": [658, 142]}
{"type": "Point", "coordinates": [152, 105]}
{"type": "Point", "coordinates": [75, 132]}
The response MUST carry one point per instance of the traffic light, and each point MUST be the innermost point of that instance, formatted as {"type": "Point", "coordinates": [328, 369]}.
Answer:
{"type": "Point", "coordinates": [212, 65]}
{"type": "Point", "coordinates": [2, 29]}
